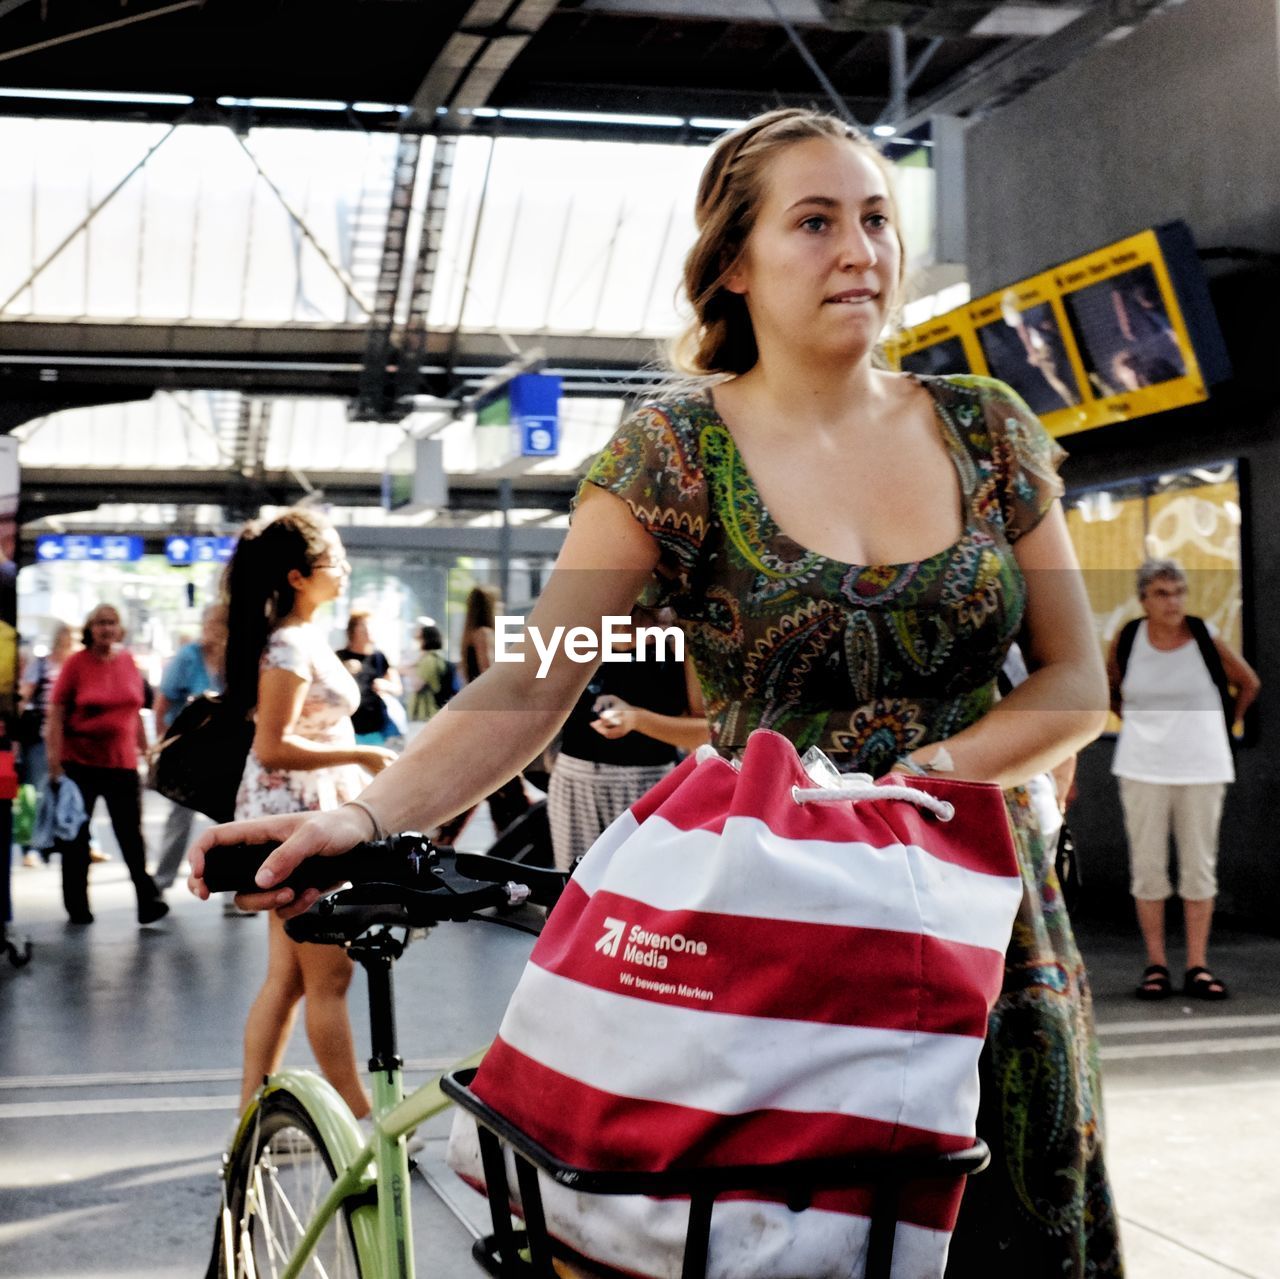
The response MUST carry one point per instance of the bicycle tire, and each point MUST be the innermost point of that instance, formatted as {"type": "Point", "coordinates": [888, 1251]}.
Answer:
{"type": "Point", "coordinates": [293, 1174]}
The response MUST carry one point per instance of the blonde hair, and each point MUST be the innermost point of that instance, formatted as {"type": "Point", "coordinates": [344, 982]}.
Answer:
{"type": "Point", "coordinates": [720, 339]}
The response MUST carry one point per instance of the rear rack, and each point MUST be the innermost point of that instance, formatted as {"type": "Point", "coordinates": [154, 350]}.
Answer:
{"type": "Point", "coordinates": [509, 1253]}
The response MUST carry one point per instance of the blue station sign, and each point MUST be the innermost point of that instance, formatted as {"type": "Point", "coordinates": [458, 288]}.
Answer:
{"type": "Point", "coordinates": [183, 549]}
{"type": "Point", "coordinates": [55, 548]}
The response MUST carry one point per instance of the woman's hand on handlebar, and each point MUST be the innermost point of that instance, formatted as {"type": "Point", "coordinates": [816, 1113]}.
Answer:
{"type": "Point", "coordinates": [301, 835]}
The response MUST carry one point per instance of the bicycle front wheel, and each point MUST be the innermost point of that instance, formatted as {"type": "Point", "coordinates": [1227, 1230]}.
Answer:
{"type": "Point", "coordinates": [280, 1172]}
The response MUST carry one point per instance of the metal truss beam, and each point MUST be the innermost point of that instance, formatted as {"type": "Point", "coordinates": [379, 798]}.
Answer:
{"type": "Point", "coordinates": [301, 223]}
{"type": "Point", "coordinates": [801, 12]}
{"type": "Point", "coordinates": [1013, 70]}
{"type": "Point", "coordinates": [413, 343]}
{"type": "Point", "coordinates": [553, 96]}
{"type": "Point", "coordinates": [46, 364]}
{"type": "Point", "coordinates": [476, 56]}
{"type": "Point", "coordinates": [83, 224]}
{"type": "Point", "coordinates": [375, 400]}
{"type": "Point", "coordinates": [102, 27]}
{"type": "Point", "coordinates": [48, 491]}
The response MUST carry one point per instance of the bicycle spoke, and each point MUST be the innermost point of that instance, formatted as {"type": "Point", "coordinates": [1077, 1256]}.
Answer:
{"type": "Point", "coordinates": [283, 1200]}
{"type": "Point", "coordinates": [246, 1268]}
{"type": "Point", "coordinates": [296, 1194]}
{"type": "Point", "coordinates": [263, 1216]}
{"type": "Point", "coordinates": [285, 1177]}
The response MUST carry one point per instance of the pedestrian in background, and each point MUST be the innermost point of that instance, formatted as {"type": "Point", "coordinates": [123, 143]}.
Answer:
{"type": "Point", "coordinates": [93, 737]}
{"type": "Point", "coordinates": [436, 675]}
{"type": "Point", "coordinates": [375, 677]}
{"type": "Point", "coordinates": [624, 735]}
{"type": "Point", "coordinates": [1171, 681]}
{"type": "Point", "coordinates": [196, 668]}
{"type": "Point", "coordinates": [304, 758]}
{"type": "Point", "coordinates": [34, 692]}
{"type": "Point", "coordinates": [510, 800]}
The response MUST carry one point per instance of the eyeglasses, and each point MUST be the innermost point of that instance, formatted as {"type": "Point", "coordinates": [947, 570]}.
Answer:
{"type": "Point", "coordinates": [338, 565]}
{"type": "Point", "coordinates": [1166, 592]}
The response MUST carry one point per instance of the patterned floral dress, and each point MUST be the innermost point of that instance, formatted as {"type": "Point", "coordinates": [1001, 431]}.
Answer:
{"type": "Point", "coordinates": [868, 663]}
{"type": "Point", "coordinates": [331, 697]}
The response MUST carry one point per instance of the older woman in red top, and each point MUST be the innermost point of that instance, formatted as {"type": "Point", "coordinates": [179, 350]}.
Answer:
{"type": "Point", "coordinates": [94, 734]}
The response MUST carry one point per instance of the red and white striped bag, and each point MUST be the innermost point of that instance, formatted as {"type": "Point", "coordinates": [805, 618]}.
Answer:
{"type": "Point", "coordinates": [753, 966]}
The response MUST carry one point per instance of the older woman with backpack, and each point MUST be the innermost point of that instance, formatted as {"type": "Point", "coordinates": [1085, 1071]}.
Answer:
{"type": "Point", "coordinates": [1171, 683]}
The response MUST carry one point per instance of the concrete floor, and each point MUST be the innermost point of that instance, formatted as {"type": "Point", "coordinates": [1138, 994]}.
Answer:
{"type": "Point", "coordinates": [119, 1068]}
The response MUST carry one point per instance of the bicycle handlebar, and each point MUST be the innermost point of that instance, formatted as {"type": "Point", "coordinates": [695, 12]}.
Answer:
{"type": "Point", "coordinates": [408, 862]}
{"type": "Point", "coordinates": [230, 868]}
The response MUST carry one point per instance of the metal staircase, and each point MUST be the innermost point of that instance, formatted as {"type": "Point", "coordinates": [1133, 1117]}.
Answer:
{"type": "Point", "coordinates": [375, 398]}
{"type": "Point", "coordinates": [413, 344]}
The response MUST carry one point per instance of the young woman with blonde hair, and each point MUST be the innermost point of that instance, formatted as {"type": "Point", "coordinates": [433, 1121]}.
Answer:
{"type": "Point", "coordinates": [850, 552]}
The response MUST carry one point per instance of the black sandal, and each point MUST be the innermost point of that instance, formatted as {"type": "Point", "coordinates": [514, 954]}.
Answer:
{"type": "Point", "coordinates": [1200, 983]}
{"type": "Point", "coordinates": [1155, 983]}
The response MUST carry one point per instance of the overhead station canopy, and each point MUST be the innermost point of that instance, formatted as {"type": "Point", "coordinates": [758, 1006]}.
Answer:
{"type": "Point", "coordinates": [539, 236]}
{"type": "Point", "coordinates": [219, 245]}
{"type": "Point", "coordinates": [379, 204]}
{"type": "Point", "coordinates": [571, 247]}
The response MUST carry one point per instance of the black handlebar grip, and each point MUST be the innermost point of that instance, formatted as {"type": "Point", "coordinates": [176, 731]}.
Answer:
{"type": "Point", "coordinates": [231, 868]}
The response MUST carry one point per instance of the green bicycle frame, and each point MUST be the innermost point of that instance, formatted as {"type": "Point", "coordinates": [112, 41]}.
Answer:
{"type": "Point", "coordinates": [375, 1171]}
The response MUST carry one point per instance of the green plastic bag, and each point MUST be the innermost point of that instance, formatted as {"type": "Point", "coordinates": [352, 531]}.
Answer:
{"type": "Point", "coordinates": [24, 815]}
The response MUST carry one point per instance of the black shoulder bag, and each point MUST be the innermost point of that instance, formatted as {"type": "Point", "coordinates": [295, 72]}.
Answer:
{"type": "Point", "coordinates": [199, 761]}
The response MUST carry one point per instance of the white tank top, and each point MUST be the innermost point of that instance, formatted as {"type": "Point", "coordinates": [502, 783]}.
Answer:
{"type": "Point", "coordinates": [1173, 731]}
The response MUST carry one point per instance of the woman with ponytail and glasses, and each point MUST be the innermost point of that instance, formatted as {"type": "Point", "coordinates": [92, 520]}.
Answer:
{"type": "Point", "coordinates": [850, 552]}
{"type": "Point", "coordinates": [304, 758]}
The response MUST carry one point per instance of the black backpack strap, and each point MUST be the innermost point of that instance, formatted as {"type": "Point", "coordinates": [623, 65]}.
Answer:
{"type": "Point", "coordinates": [1124, 649]}
{"type": "Point", "coordinates": [1213, 661]}
{"type": "Point", "coordinates": [1124, 646]}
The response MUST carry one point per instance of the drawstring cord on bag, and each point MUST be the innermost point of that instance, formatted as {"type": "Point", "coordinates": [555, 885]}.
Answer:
{"type": "Point", "coordinates": [856, 786]}
{"type": "Point", "coordinates": [837, 787]}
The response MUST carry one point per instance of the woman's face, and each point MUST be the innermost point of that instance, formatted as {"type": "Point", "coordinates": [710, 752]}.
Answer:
{"type": "Point", "coordinates": [104, 629]}
{"type": "Point", "coordinates": [329, 573]}
{"type": "Point", "coordinates": [822, 261]}
{"type": "Point", "coordinates": [1165, 601]}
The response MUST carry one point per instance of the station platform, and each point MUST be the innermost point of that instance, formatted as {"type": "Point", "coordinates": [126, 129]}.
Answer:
{"type": "Point", "coordinates": [119, 1074]}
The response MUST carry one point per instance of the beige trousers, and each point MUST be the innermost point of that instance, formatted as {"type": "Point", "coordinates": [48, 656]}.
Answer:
{"type": "Point", "coordinates": [1192, 813]}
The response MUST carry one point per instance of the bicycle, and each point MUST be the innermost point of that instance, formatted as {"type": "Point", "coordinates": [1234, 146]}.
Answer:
{"type": "Point", "coordinates": [305, 1192]}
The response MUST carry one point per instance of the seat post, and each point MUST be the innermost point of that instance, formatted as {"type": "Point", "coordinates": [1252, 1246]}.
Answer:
{"type": "Point", "coordinates": [376, 953]}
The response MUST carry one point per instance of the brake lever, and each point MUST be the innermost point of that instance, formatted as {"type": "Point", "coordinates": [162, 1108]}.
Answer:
{"type": "Point", "coordinates": [543, 886]}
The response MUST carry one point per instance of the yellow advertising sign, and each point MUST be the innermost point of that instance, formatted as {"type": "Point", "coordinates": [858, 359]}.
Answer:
{"type": "Point", "coordinates": [1099, 339]}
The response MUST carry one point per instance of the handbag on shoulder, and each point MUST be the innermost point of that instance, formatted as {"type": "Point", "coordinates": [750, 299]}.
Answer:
{"type": "Point", "coordinates": [199, 761]}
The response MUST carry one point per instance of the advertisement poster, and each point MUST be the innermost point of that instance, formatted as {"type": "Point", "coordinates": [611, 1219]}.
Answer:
{"type": "Point", "coordinates": [1096, 340]}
